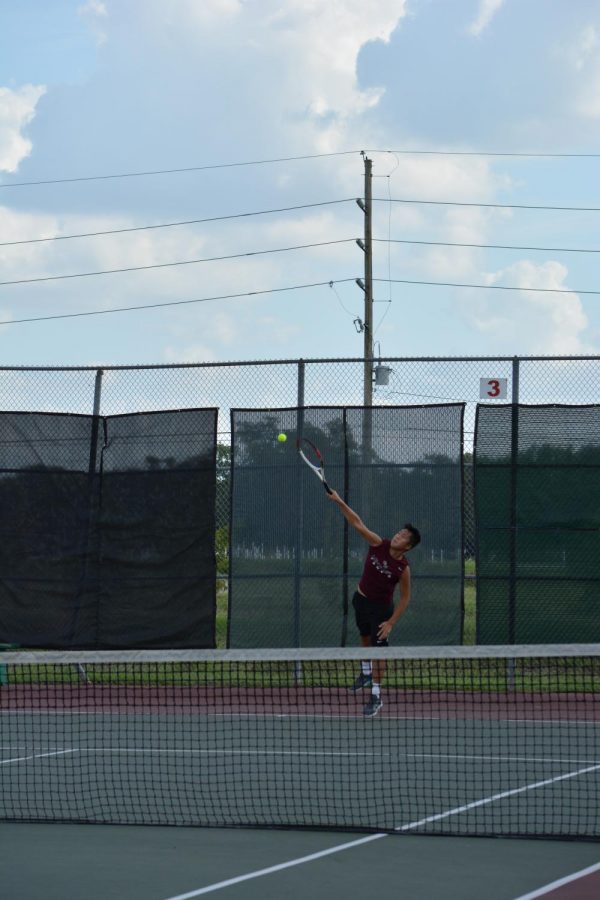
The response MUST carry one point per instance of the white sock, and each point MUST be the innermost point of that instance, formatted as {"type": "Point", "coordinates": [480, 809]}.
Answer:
{"type": "Point", "coordinates": [366, 668]}
{"type": "Point", "coordinates": [376, 689]}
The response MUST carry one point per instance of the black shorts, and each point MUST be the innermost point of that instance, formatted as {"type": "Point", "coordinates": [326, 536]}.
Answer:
{"type": "Point", "coordinates": [369, 616]}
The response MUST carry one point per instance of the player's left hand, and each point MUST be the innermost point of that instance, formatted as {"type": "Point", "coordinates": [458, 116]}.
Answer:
{"type": "Point", "coordinates": [384, 631]}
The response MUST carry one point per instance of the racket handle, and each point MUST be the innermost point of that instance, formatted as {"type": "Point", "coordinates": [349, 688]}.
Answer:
{"type": "Point", "coordinates": [327, 488]}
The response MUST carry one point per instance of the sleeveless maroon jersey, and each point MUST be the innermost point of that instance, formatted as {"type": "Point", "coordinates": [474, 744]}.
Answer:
{"type": "Point", "coordinates": [381, 573]}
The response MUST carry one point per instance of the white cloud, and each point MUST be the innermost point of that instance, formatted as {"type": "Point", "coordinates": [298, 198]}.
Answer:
{"type": "Point", "coordinates": [312, 46]}
{"type": "Point", "coordinates": [580, 51]}
{"type": "Point", "coordinates": [228, 80]}
{"type": "Point", "coordinates": [17, 109]}
{"type": "Point", "coordinates": [206, 12]}
{"type": "Point", "coordinates": [440, 179]}
{"type": "Point", "coordinates": [5, 316]}
{"type": "Point", "coordinates": [584, 56]}
{"type": "Point", "coordinates": [446, 178]}
{"type": "Point", "coordinates": [95, 13]}
{"type": "Point", "coordinates": [189, 353]}
{"type": "Point", "coordinates": [276, 330]}
{"type": "Point", "coordinates": [487, 11]}
{"type": "Point", "coordinates": [529, 321]}
{"type": "Point", "coordinates": [229, 324]}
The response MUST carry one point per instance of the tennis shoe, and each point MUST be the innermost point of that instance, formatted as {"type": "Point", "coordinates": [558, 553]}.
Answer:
{"type": "Point", "coordinates": [373, 706]}
{"type": "Point", "coordinates": [361, 682]}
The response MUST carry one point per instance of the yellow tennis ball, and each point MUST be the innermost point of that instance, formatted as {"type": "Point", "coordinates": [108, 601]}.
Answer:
{"type": "Point", "coordinates": [282, 438]}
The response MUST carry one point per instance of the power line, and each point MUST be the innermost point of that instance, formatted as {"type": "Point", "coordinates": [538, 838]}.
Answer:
{"type": "Point", "coordinates": [102, 312]}
{"type": "Point", "coordinates": [330, 283]}
{"type": "Point", "coordinates": [488, 287]}
{"type": "Point", "coordinates": [262, 162]}
{"type": "Point", "coordinates": [184, 262]}
{"type": "Point", "coordinates": [491, 153]}
{"type": "Point", "coordinates": [489, 205]}
{"type": "Point", "coordinates": [485, 246]}
{"type": "Point", "coordinates": [260, 212]}
{"type": "Point", "coordinates": [255, 162]}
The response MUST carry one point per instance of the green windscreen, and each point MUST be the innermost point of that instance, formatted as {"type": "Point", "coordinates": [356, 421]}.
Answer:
{"type": "Point", "coordinates": [537, 500]}
{"type": "Point", "coordinates": [294, 561]}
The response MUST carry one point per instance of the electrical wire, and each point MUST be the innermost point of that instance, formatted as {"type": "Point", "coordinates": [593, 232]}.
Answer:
{"type": "Point", "coordinates": [102, 312]}
{"type": "Point", "coordinates": [184, 262]}
{"type": "Point", "coordinates": [389, 257]}
{"type": "Point", "coordinates": [255, 162]}
{"type": "Point", "coordinates": [491, 153]}
{"type": "Point", "coordinates": [261, 162]}
{"type": "Point", "coordinates": [490, 287]}
{"type": "Point", "coordinates": [260, 212]}
{"type": "Point", "coordinates": [339, 299]}
{"type": "Point", "coordinates": [486, 246]}
{"type": "Point", "coordinates": [488, 205]}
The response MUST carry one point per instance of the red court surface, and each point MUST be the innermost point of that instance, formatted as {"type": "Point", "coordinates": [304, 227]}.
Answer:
{"type": "Point", "coordinates": [584, 885]}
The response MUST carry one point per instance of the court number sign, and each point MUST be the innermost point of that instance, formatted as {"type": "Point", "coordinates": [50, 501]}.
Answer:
{"type": "Point", "coordinates": [493, 388]}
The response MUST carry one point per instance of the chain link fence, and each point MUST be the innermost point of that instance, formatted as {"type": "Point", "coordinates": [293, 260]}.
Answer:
{"type": "Point", "coordinates": [111, 390]}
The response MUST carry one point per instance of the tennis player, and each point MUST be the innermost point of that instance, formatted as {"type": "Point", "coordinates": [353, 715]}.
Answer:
{"type": "Point", "coordinates": [385, 566]}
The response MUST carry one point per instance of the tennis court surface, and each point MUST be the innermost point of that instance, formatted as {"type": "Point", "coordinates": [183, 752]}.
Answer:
{"type": "Point", "coordinates": [471, 741]}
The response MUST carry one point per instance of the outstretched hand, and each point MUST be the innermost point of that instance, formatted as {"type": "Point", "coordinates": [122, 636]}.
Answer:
{"type": "Point", "coordinates": [334, 496]}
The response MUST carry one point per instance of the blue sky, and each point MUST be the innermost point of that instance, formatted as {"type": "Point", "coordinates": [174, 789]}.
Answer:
{"type": "Point", "coordinates": [105, 87]}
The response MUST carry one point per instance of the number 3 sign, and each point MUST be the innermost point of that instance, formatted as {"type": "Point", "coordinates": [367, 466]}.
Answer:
{"type": "Point", "coordinates": [493, 388]}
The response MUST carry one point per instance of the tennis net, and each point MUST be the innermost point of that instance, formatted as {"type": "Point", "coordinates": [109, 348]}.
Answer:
{"type": "Point", "coordinates": [470, 740]}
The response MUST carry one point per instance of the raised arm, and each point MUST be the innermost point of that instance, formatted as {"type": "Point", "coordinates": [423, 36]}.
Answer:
{"type": "Point", "coordinates": [355, 520]}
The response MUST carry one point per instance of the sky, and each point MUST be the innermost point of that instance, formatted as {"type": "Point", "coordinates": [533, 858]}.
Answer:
{"type": "Point", "coordinates": [247, 107]}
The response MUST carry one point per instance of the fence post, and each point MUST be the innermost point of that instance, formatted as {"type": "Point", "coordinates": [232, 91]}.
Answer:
{"type": "Point", "coordinates": [514, 457]}
{"type": "Point", "coordinates": [300, 514]}
{"type": "Point", "coordinates": [86, 537]}
{"type": "Point", "coordinates": [97, 391]}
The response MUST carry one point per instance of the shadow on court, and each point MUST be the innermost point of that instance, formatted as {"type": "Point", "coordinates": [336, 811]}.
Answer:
{"type": "Point", "coordinates": [60, 862]}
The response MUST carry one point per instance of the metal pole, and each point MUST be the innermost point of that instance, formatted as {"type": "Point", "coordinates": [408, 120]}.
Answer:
{"type": "Point", "coordinates": [368, 323]}
{"type": "Point", "coordinates": [299, 518]}
{"type": "Point", "coordinates": [346, 549]}
{"type": "Point", "coordinates": [514, 458]}
{"type": "Point", "coordinates": [86, 544]}
{"type": "Point", "coordinates": [97, 391]}
{"type": "Point", "coordinates": [367, 328]}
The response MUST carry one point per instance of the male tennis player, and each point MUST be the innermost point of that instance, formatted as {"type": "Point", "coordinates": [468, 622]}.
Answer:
{"type": "Point", "coordinates": [373, 603]}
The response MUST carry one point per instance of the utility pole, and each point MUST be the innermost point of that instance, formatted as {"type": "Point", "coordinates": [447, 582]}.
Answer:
{"type": "Point", "coordinates": [366, 285]}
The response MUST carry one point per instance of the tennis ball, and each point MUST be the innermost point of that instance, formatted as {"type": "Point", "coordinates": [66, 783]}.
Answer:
{"type": "Point", "coordinates": [282, 438]}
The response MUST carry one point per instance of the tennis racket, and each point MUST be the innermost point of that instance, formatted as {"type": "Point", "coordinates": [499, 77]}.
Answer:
{"type": "Point", "coordinates": [313, 459]}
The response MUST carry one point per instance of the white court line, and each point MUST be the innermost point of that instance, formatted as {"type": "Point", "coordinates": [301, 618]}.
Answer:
{"type": "Point", "coordinates": [559, 883]}
{"type": "Point", "coordinates": [217, 886]}
{"type": "Point", "coordinates": [207, 751]}
{"type": "Point", "coordinates": [286, 865]}
{"type": "Point", "coordinates": [6, 762]}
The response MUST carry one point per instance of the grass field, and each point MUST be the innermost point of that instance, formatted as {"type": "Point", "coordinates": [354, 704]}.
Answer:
{"type": "Point", "coordinates": [469, 600]}
{"type": "Point", "coordinates": [64, 682]}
